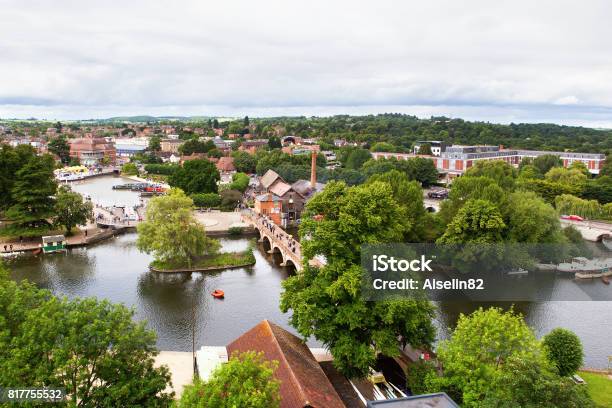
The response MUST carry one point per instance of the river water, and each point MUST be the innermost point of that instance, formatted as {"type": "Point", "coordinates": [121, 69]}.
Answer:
{"type": "Point", "coordinates": [175, 306]}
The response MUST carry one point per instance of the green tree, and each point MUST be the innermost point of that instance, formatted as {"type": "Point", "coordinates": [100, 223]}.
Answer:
{"type": "Point", "coordinates": [11, 160]}
{"type": "Point", "coordinates": [240, 182]}
{"type": "Point", "coordinates": [244, 162]}
{"type": "Point", "coordinates": [154, 144]}
{"type": "Point", "coordinates": [71, 210]}
{"type": "Point", "coordinates": [478, 221]}
{"type": "Point", "coordinates": [529, 172]}
{"type": "Point", "coordinates": [196, 176]}
{"type": "Point", "coordinates": [246, 380]}
{"type": "Point", "coordinates": [606, 169]}
{"type": "Point", "coordinates": [59, 146]}
{"type": "Point", "coordinates": [230, 199]}
{"type": "Point", "coordinates": [548, 190]}
{"type": "Point", "coordinates": [530, 219]}
{"type": "Point", "coordinates": [409, 195]}
{"type": "Point", "coordinates": [383, 147]}
{"type": "Point", "coordinates": [580, 166]}
{"type": "Point", "coordinates": [425, 149]}
{"type": "Point", "coordinates": [326, 301]}
{"type": "Point", "coordinates": [422, 170]}
{"type": "Point", "coordinates": [192, 146]}
{"type": "Point", "coordinates": [566, 176]}
{"type": "Point", "coordinates": [274, 142]}
{"type": "Point", "coordinates": [171, 233]}
{"type": "Point", "coordinates": [93, 349]}
{"type": "Point", "coordinates": [498, 170]}
{"type": "Point", "coordinates": [564, 350]}
{"type": "Point", "coordinates": [32, 194]}
{"type": "Point", "coordinates": [475, 354]}
{"type": "Point", "coordinates": [357, 158]}
{"type": "Point", "coordinates": [206, 200]}
{"type": "Point", "coordinates": [546, 162]}
{"type": "Point", "coordinates": [530, 383]}
{"type": "Point", "coordinates": [129, 169]}
{"type": "Point", "coordinates": [599, 189]}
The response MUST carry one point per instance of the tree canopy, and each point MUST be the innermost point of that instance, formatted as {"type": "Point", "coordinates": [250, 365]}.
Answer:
{"type": "Point", "coordinates": [171, 233]}
{"type": "Point", "coordinates": [196, 176]}
{"type": "Point", "coordinates": [71, 210]}
{"type": "Point", "coordinates": [493, 359]}
{"type": "Point", "coordinates": [245, 381]}
{"type": "Point", "coordinates": [326, 301]}
{"type": "Point", "coordinates": [93, 349]}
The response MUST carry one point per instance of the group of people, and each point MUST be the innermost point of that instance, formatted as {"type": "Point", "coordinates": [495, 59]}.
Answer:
{"type": "Point", "coordinates": [280, 235]}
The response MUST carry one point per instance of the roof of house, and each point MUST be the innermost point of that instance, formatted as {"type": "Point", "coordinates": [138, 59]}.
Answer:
{"type": "Point", "coordinates": [226, 164]}
{"type": "Point", "coordinates": [438, 400]}
{"type": "Point", "coordinates": [267, 197]}
{"type": "Point", "coordinates": [280, 188]}
{"type": "Point", "coordinates": [270, 177]}
{"type": "Point", "coordinates": [302, 381]}
{"type": "Point", "coordinates": [304, 188]}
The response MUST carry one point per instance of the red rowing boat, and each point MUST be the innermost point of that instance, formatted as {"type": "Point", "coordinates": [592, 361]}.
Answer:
{"type": "Point", "coordinates": [218, 293]}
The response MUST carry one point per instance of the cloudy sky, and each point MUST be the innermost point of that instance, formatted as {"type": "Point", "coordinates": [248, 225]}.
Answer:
{"type": "Point", "coordinates": [498, 61]}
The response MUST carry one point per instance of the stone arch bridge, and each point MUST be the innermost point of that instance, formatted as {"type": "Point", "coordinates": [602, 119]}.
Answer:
{"type": "Point", "coordinates": [275, 238]}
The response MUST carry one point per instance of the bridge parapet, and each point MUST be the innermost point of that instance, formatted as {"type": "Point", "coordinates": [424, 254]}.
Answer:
{"type": "Point", "coordinates": [289, 248]}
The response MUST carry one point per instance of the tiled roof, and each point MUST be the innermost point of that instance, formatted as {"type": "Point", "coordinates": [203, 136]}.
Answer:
{"type": "Point", "coordinates": [280, 188]}
{"type": "Point", "coordinates": [269, 178]}
{"type": "Point", "coordinates": [226, 164]}
{"type": "Point", "coordinates": [302, 381]}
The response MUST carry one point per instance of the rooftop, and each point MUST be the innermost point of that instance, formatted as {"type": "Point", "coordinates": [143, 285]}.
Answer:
{"type": "Point", "coordinates": [438, 400]}
{"type": "Point", "coordinates": [303, 382]}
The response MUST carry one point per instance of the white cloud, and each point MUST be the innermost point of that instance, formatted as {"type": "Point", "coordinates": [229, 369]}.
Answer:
{"type": "Point", "coordinates": [522, 60]}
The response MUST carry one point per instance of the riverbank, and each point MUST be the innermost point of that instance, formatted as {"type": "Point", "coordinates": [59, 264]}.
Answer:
{"type": "Point", "coordinates": [218, 262]}
{"type": "Point", "coordinates": [86, 236]}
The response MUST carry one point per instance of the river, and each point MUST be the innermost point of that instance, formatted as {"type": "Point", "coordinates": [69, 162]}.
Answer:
{"type": "Point", "coordinates": [117, 271]}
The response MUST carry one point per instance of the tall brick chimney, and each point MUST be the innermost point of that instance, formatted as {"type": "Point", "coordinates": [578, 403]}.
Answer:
{"type": "Point", "coordinates": [313, 169]}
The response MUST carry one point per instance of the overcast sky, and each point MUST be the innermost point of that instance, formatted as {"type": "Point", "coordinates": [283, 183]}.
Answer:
{"type": "Point", "coordinates": [493, 60]}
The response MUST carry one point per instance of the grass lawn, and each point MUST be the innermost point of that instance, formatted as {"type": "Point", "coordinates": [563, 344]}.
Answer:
{"type": "Point", "coordinates": [600, 388]}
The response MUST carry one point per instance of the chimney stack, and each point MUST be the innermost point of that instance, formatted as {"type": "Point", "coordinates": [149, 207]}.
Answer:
{"type": "Point", "coordinates": [313, 169]}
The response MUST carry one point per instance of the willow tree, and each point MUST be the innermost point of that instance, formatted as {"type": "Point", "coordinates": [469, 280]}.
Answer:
{"type": "Point", "coordinates": [171, 233]}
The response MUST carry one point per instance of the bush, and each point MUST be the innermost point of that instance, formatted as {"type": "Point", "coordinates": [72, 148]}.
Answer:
{"type": "Point", "coordinates": [206, 200]}
{"type": "Point", "coordinates": [246, 380]}
{"type": "Point", "coordinates": [417, 373]}
{"type": "Point", "coordinates": [564, 350]}
{"type": "Point", "coordinates": [230, 199]}
{"type": "Point", "coordinates": [240, 182]}
{"type": "Point", "coordinates": [129, 169]}
{"type": "Point", "coordinates": [235, 230]}
{"type": "Point", "coordinates": [164, 169]}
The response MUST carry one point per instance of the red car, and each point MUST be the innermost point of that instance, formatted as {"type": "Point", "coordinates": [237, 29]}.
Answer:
{"type": "Point", "coordinates": [572, 217]}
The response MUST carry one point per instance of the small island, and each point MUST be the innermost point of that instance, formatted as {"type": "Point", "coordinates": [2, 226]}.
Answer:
{"type": "Point", "coordinates": [179, 242]}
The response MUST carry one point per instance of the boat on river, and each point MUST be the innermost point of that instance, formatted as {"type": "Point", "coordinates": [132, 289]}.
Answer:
{"type": "Point", "coordinates": [218, 293]}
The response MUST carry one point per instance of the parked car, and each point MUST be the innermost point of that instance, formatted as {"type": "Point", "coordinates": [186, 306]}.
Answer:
{"type": "Point", "coordinates": [438, 194]}
{"type": "Point", "coordinates": [572, 217]}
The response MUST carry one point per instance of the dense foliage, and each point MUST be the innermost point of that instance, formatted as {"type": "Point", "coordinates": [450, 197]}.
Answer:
{"type": "Point", "coordinates": [196, 176]}
{"type": "Point", "coordinates": [493, 359]}
{"type": "Point", "coordinates": [245, 381]}
{"type": "Point", "coordinates": [71, 210]}
{"type": "Point", "coordinates": [564, 350]}
{"type": "Point", "coordinates": [171, 233]}
{"type": "Point", "coordinates": [93, 349]}
{"type": "Point", "coordinates": [326, 301]}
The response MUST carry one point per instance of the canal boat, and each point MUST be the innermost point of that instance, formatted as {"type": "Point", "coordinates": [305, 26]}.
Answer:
{"type": "Point", "coordinates": [605, 280]}
{"type": "Point", "coordinates": [218, 293]}
{"type": "Point", "coordinates": [53, 243]}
